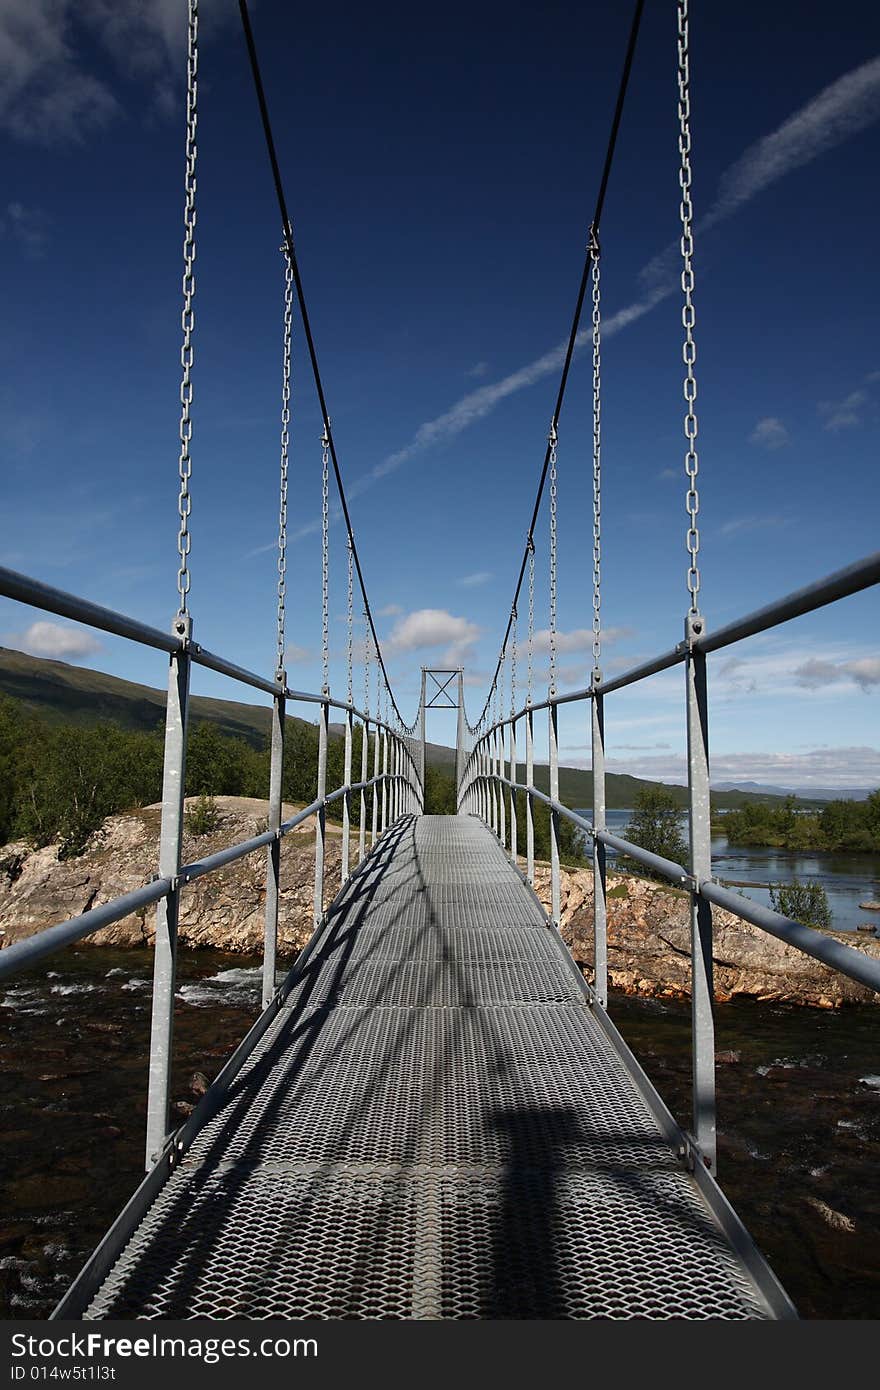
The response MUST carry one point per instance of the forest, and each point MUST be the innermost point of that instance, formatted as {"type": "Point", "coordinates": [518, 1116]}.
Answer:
{"type": "Point", "coordinates": [59, 781]}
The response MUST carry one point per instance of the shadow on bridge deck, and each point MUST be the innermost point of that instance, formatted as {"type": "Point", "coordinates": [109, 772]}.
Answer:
{"type": "Point", "coordinates": [434, 1126]}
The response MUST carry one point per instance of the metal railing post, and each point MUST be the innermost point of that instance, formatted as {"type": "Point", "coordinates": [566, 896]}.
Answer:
{"type": "Point", "coordinates": [346, 800]}
{"type": "Point", "coordinates": [321, 815]}
{"type": "Point", "coordinates": [493, 759]}
{"type": "Point", "coordinates": [365, 757]}
{"type": "Point", "coordinates": [502, 808]}
{"type": "Point", "coordinates": [702, 991]}
{"type": "Point", "coordinates": [600, 901]}
{"type": "Point", "coordinates": [385, 781]}
{"type": "Point", "coordinates": [530, 806]}
{"type": "Point", "coordinates": [167, 909]}
{"type": "Point", "coordinates": [512, 792]}
{"type": "Point", "coordinates": [273, 854]}
{"type": "Point", "coordinates": [374, 831]}
{"type": "Point", "coordinates": [555, 885]}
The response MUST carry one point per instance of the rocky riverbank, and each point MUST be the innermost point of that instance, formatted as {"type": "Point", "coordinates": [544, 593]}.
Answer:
{"type": "Point", "coordinates": [648, 927]}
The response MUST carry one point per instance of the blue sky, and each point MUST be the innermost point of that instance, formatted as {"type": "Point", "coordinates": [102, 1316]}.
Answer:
{"type": "Point", "coordinates": [441, 172]}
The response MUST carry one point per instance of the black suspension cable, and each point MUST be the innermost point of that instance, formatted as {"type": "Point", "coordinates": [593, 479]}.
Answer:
{"type": "Point", "coordinates": [313, 356]}
{"type": "Point", "coordinates": [572, 337]}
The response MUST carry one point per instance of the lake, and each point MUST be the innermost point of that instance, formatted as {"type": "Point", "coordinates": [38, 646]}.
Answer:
{"type": "Point", "coordinates": [848, 879]}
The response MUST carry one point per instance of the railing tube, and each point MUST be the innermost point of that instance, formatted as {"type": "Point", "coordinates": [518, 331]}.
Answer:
{"type": "Point", "coordinates": [555, 884]}
{"type": "Point", "coordinates": [600, 902]}
{"type": "Point", "coordinates": [703, 1023]}
{"type": "Point", "coordinates": [273, 854]}
{"type": "Point", "coordinates": [321, 815]}
{"type": "Point", "coordinates": [167, 909]}
{"type": "Point", "coordinates": [530, 806]}
{"type": "Point", "coordinates": [346, 800]}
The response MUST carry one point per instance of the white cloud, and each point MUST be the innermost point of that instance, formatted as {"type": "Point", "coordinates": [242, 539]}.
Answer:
{"type": "Point", "coordinates": [54, 641]}
{"type": "Point", "coordinates": [667, 475]}
{"type": "Point", "coordinates": [28, 227]}
{"type": "Point", "coordinates": [820, 767]}
{"type": "Point", "coordinates": [752, 523]}
{"type": "Point", "coordinates": [294, 655]}
{"type": "Point", "coordinates": [769, 433]}
{"type": "Point", "coordinates": [478, 369]}
{"type": "Point", "coordinates": [837, 113]}
{"type": "Point", "coordinates": [391, 610]}
{"type": "Point", "coordinates": [472, 581]}
{"type": "Point", "coordinates": [434, 627]}
{"type": "Point", "coordinates": [578, 639]}
{"type": "Point", "coordinates": [49, 88]}
{"type": "Point", "coordinates": [863, 672]}
{"type": "Point", "coordinates": [843, 415]}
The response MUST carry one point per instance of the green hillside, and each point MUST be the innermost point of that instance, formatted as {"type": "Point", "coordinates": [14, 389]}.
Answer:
{"type": "Point", "coordinates": [62, 693]}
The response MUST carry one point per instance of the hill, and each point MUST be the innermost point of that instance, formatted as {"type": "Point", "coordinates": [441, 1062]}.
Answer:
{"type": "Point", "coordinates": [64, 693]}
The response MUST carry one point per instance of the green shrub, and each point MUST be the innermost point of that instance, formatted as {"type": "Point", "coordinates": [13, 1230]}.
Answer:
{"type": "Point", "coordinates": [655, 826]}
{"type": "Point", "coordinates": [803, 902]}
{"type": "Point", "coordinates": [203, 817]}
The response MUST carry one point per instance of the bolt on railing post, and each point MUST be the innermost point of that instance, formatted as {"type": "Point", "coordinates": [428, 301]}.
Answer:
{"type": "Point", "coordinates": [346, 800]}
{"type": "Point", "coordinates": [273, 854]}
{"type": "Point", "coordinates": [171, 834]}
{"type": "Point", "coordinates": [365, 756]}
{"type": "Point", "coordinates": [600, 901]}
{"type": "Point", "coordinates": [702, 991]}
{"type": "Point", "coordinates": [384, 825]}
{"type": "Point", "coordinates": [321, 816]}
{"type": "Point", "coordinates": [530, 806]}
{"type": "Point", "coordinates": [555, 884]}
{"type": "Point", "coordinates": [513, 792]}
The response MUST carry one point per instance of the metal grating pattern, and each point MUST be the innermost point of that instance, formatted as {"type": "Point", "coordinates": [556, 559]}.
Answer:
{"type": "Point", "coordinates": [433, 1127]}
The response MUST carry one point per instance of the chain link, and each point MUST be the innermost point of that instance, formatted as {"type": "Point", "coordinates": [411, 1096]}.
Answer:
{"type": "Point", "coordinates": [285, 444]}
{"type": "Point", "coordinates": [552, 441]}
{"type": "Point", "coordinates": [597, 454]}
{"type": "Point", "coordinates": [325, 562]}
{"type": "Point", "coordinates": [184, 504]}
{"type": "Point", "coordinates": [689, 351]}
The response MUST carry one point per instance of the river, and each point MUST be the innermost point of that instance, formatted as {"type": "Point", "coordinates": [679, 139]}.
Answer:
{"type": "Point", "coordinates": [848, 879]}
{"type": "Point", "coordinates": [798, 1104]}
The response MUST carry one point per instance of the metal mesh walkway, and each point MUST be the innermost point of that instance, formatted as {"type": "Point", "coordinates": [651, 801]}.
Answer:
{"type": "Point", "coordinates": [435, 1126]}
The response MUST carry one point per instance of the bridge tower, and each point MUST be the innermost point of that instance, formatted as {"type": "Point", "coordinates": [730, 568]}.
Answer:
{"type": "Point", "coordinates": [439, 695]}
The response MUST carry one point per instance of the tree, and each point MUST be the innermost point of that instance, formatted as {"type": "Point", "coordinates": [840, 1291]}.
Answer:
{"type": "Point", "coordinates": [803, 902]}
{"type": "Point", "coordinates": [655, 826]}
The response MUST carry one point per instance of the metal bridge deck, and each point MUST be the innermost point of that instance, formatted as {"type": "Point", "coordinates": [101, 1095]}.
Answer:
{"type": "Point", "coordinates": [434, 1126]}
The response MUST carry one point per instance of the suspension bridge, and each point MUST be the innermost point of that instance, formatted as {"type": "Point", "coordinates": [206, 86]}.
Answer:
{"type": "Point", "coordinates": [434, 1115]}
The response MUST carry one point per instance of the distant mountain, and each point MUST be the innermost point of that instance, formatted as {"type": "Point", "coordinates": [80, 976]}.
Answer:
{"type": "Point", "coordinates": [802, 793]}
{"type": "Point", "coordinates": [64, 693]}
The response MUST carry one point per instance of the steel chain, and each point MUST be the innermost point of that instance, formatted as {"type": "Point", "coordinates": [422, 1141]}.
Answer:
{"type": "Point", "coordinates": [325, 562]}
{"type": "Point", "coordinates": [552, 442]}
{"type": "Point", "coordinates": [184, 504]}
{"type": "Point", "coordinates": [689, 351]}
{"type": "Point", "coordinates": [531, 642]}
{"type": "Point", "coordinates": [513, 622]}
{"type": "Point", "coordinates": [350, 622]}
{"type": "Point", "coordinates": [597, 454]}
{"type": "Point", "coordinates": [367, 646]}
{"type": "Point", "coordinates": [285, 445]}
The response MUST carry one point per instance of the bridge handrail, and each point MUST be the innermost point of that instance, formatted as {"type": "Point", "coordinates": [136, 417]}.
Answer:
{"type": "Point", "coordinates": [21, 955]}
{"type": "Point", "coordinates": [849, 961]}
